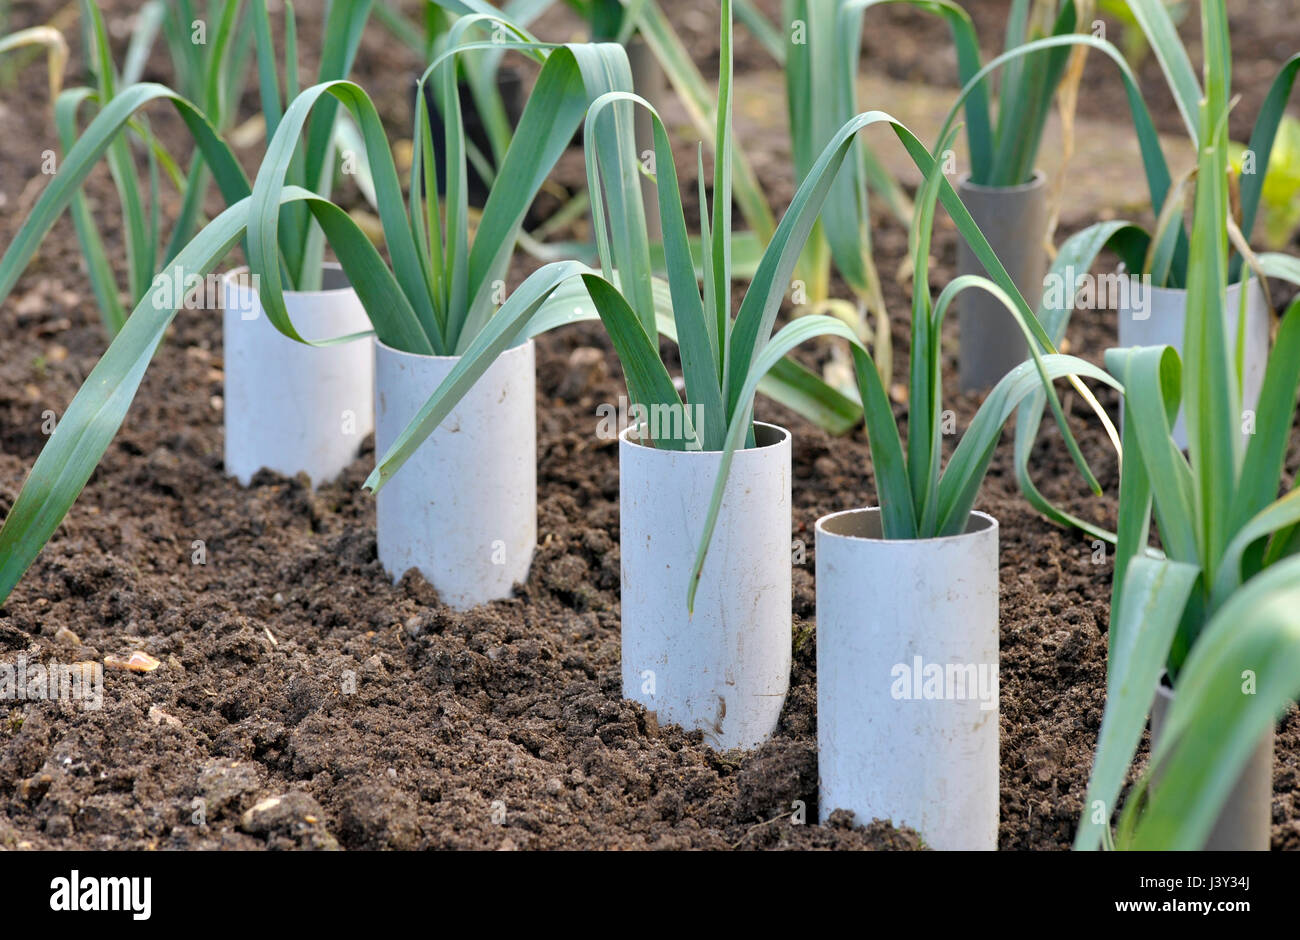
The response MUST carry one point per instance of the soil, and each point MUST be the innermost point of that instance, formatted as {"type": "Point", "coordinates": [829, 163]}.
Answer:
{"type": "Point", "coordinates": [304, 701]}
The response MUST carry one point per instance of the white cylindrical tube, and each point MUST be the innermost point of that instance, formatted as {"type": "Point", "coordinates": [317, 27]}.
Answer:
{"type": "Point", "coordinates": [463, 509]}
{"type": "Point", "coordinates": [726, 668]}
{"type": "Point", "coordinates": [1156, 316]}
{"type": "Point", "coordinates": [1245, 822]}
{"type": "Point", "coordinates": [1014, 220]}
{"type": "Point", "coordinates": [289, 407]}
{"type": "Point", "coordinates": [907, 678]}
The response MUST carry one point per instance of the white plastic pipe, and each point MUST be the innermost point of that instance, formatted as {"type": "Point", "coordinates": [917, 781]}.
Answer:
{"type": "Point", "coordinates": [725, 669]}
{"type": "Point", "coordinates": [907, 693]}
{"type": "Point", "coordinates": [1245, 822]}
{"type": "Point", "coordinates": [463, 509]}
{"type": "Point", "coordinates": [1156, 316]}
{"type": "Point", "coordinates": [290, 407]}
{"type": "Point", "coordinates": [1014, 220]}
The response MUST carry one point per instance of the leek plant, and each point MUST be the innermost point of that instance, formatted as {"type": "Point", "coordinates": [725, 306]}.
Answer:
{"type": "Point", "coordinates": [1002, 153]}
{"type": "Point", "coordinates": [442, 289]}
{"type": "Point", "coordinates": [105, 134]}
{"type": "Point", "coordinates": [1161, 254]}
{"type": "Point", "coordinates": [627, 283]}
{"type": "Point", "coordinates": [478, 69]}
{"type": "Point", "coordinates": [1078, 253]}
{"type": "Point", "coordinates": [1215, 608]}
{"type": "Point", "coordinates": [100, 405]}
{"type": "Point", "coordinates": [206, 71]}
{"type": "Point", "coordinates": [211, 73]}
{"type": "Point", "coordinates": [1166, 261]}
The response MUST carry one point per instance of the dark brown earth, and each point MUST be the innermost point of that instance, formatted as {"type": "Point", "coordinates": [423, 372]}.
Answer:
{"type": "Point", "coordinates": [292, 668]}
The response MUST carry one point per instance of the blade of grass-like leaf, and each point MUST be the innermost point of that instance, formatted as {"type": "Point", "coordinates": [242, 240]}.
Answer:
{"type": "Point", "coordinates": [141, 257]}
{"type": "Point", "coordinates": [722, 159]}
{"type": "Point", "coordinates": [1152, 392]}
{"type": "Point", "coordinates": [788, 382]}
{"type": "Point", "coordinates": [268, 80]}
{"type": "Point", "coordinates": [1153, 160]}
{"type": "Point", "coordinates": [426, 215]}
{"type": "Point", "coordinates": [455, 204]}
{"type": "Point", "coordinates": [817, 102]}
{"type": "Point", "coordinates": [1028, 87]}
{"type": "Point", "coordinates": [717, 321]}
{"type": "Point", "coordinates": [148, 22]}
{"type": "Point", "coordinates": [1011, 96]}
{"type": "Point", "coordinates": [214, 102]}
{"type": "Point", "coordinates": [759, 308]}
{"type": "Point", "coordinates": [186, 57]}
{"type": "Point", "coordinates": [695, 95]}
{"type": "Point", "coordinates": [1218, 56]}
{"type": "Point", "coordinates": [925, 386]}
{"type": "Point", "coordinates": [1281, 514]}
{"type": "Point", "coordinates": [959, 486]}
{"type": "Point", "coordinates": [698, 344]}
{"type": "Point", "coordinates": [1155, 593]}
{"type": "Point", "coordinates": [1162, 37]}
{"type": "Point", "coordinates": [344, 22]}
{"type": "Point", "coordinates": [1212, 401]}
{"type": "Point", "coordinates": [648, 382]}
{"type": "Point", "coordinates": [103, 282]}
{"type": "Point", "coordinates": [584, 72]}
{"type": "Point", "coordinates": [1133, 526]}
{"type": "Point", "coordinates": [193, 193]}
{"type": "Point", "coordinates": [1169, 236]}
{"type": "Point", "coordinates": [56, 51]}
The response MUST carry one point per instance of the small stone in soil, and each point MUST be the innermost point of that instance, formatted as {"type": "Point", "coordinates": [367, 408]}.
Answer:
{"type": "Point", "coordinates": [160, 717]}
{"type": "Point", "coordinates": [139, 661]}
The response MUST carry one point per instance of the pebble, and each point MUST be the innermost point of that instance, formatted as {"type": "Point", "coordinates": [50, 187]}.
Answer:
{"type": "Point", "coordinates": [586, 367]}
{"type": "Point", "coordinates": [160, 717]}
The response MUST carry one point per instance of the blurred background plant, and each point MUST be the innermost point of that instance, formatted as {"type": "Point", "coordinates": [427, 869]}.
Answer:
{"type": "Point", "coordinates": [1132, 42]}
{"type": "Point", "coordinates": [18, 49]}
{"type": "Point", "coordinates": [1280, 194]}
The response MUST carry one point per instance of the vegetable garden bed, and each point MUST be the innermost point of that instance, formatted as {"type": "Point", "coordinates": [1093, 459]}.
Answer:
{"type": "Point", "coordinates": [290, 664]}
